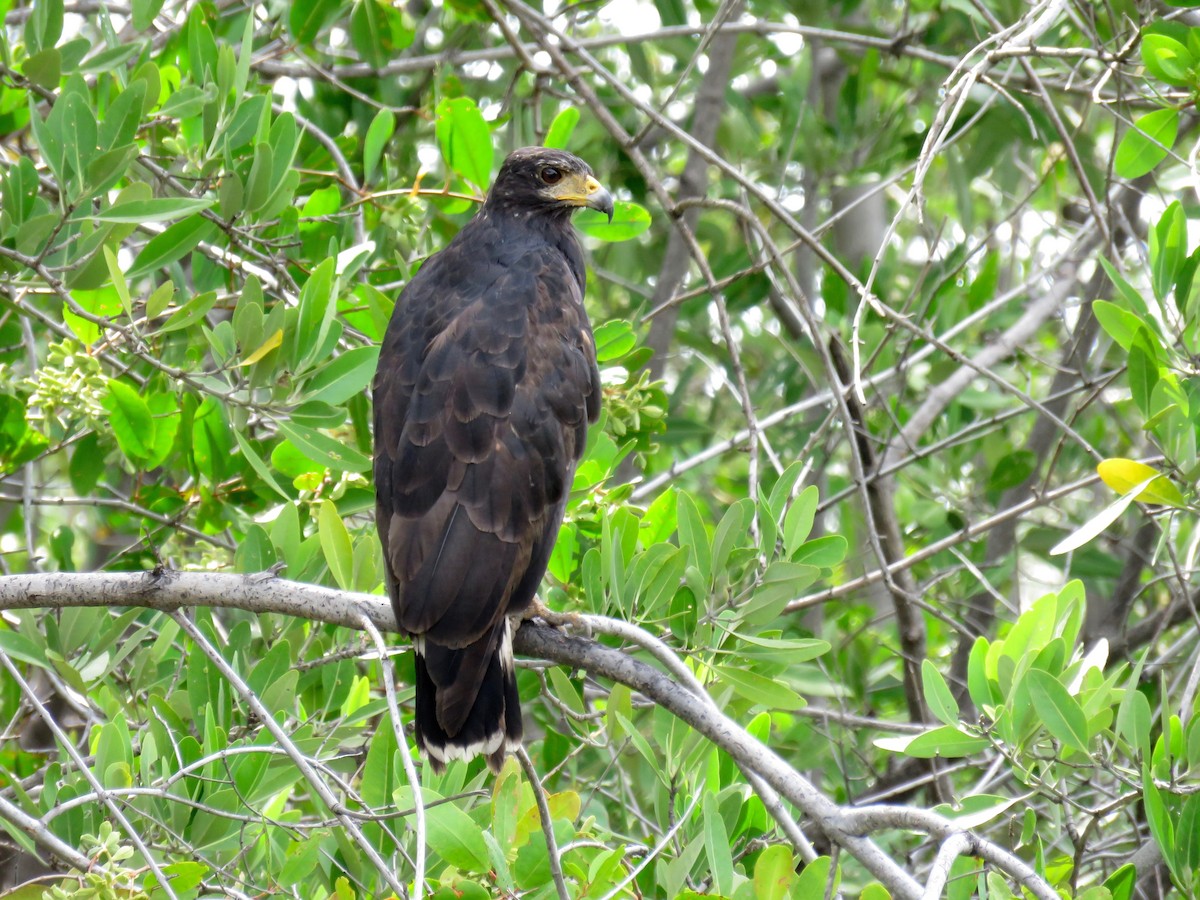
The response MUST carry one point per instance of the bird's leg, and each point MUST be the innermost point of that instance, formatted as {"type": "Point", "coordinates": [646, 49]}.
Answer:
{"type": "Point", "coordinates": [538, 610]}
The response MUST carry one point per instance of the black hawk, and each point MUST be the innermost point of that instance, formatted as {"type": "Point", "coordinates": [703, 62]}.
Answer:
{"type": "Point", "coordinates": [487, 381]}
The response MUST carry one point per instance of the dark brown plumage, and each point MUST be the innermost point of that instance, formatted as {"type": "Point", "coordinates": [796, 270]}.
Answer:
{"type": "Point", "coordinates": [487, 381]}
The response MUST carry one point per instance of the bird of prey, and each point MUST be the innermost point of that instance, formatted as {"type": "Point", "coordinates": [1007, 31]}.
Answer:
{"type": "Point", "coordinates": [486, 384]}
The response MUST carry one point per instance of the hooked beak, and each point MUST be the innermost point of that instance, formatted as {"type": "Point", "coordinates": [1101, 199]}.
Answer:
{"type": "Point", "coordinates": [598, 198]}
{"type": "Point", "coordinates": [584, 190]}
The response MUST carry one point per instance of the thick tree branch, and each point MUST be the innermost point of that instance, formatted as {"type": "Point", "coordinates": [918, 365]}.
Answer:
{"type": "Point", "coordinates": [169, 591]}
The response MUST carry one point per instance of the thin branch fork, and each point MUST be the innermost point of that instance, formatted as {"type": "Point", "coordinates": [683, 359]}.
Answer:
{"type": "Point", "coordinates": [169, 591]}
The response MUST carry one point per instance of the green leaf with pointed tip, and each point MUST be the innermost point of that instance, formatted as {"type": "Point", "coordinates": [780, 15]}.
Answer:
{"type": "Point", "coordinates": [306, 18]}
{"type": "Point", "coordinates": [465, 139]}
{"type": "Point", "coordinates": [190, 313]}
{"type": "Point", "coordinates": [758, 689]}
{"type": "Point", "coordinates": [943, 742]}
{"type": "Point", "coordinates": [716, 843]}
{"type": "Point", "coordinates": [798, 521]}
{"type": "Point", "coordinates": [455, 837]}
{"type": "Point", "coordinates": [823, 552]}
{"type": "Point", "coordinates": [380, 131]}
{"type": "Point", "coordinates": [559, 133]}
{"type": "Point", "coordinates": [1058, 710]}
{"type": "Point", "coordinates": [938, 697]}
{"type": "Point", "coordinates": [138, 212]}
{"type": "Point", "coordinates": [173, 244]}
{"type": "Point", "coordinates": [1147, 143]}
{"type": "Point", "coordinates": [336, 545]}
{"type": "Point", "coordinates": [144, 12]}
{"type": "Point", "coordinates": [324, 450]}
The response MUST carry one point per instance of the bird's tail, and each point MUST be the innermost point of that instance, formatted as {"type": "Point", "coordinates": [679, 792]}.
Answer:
{"type": "Point", "coordinates": [467, 701]}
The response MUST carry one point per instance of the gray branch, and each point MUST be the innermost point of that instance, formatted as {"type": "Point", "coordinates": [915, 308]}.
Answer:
{"type": "Point", "coordinates": [846, 827]}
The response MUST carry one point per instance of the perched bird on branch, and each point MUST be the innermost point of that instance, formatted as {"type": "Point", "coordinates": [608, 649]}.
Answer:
{"type": "Point", "coordinates": [487, 381]}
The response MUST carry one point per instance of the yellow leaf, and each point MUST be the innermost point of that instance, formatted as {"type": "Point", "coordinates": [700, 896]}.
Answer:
{"type": "Point", "coordinates": [1123, 475]}
{"type": "Point", "coordinates": [267, 346]}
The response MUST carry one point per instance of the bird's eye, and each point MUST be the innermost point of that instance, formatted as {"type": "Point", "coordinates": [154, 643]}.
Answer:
{"type": "Point", "coordinates": [551, 175]}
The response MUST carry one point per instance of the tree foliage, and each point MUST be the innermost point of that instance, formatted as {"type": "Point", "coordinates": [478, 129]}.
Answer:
{"type": "Point", "coordinates": [899, 324]}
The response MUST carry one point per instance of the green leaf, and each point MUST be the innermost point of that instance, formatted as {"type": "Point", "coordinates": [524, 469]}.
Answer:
{"type": "Point", "coordinates": [44, 68]}
{"type": "Point", "coordinates": [174, 243]}
{"type": "Point", "coordinates": [814, 883]}
{"type": "Point", "coordinates": [454, 836]}
{"type": "Point", "coordinates": [118, 280]}
{"type": "Point", "coordinates": [211, 444]}
{"type": "Point", "coordinates": [759, 690]}
{"type": "Point", "coordinates": [1119, 324]}
{"type": "Point", "coordinates": [938, 697]}
{"type": "Point", "coordinates": [379, 780]}
{"type": "Point", "coordinates": [378, 134]}
{"type": "Point", "coordinates": [1143, 371]}
{"type": "Point", "coordinates": [1012, 470]}
{"type": "Point", "coordinates": [165, 414]}
{"type": "Point", "coordinates": [1158, 817]}
{"type": "Point", "coordinates": [129, 418]}
{"type": "Point", "coordinates": [560, 130]}
{"type": "Point", "coordinates": [144, 12]}
{"type": "Point", "coordinates": [324, 450]}
{"type": "Point", "coordinates": [506, 804]}
{"type": "Point", "coordinates": [259, 466]}
{"type": "Point", "coordinates": [80, 123]}
{"type": "Point", "coordinates": [465, 139]}
{"type": "Point", "coordinates": [797, 650]}
{"type": "Point", "coordinates": [1168, 249]}
{"type": "Point", "coordinates": [614, 339]}
{"type": "Point", "coordinates": [306, 18]}
{"type": "Point", "coordinates": [693, 535]}
{"type": "Point", "coordinates": [302, 858]}
{"type": "Point", "coordinates": [44, 26]}
{"type": "Point", "coordinates": [366, 31]}
{"type": "Point", "coordinates": [190, 313]}
{"type": "Point", "coordinates": [160, 299]}
{"type": "Point", "coordinates": [138, 212]}
{"type": "Point", "coordinates": [564, 690]}
{"type": "Point", "coordinates": [774, 873]}
{"type": "Point", "coordinates": [716, 844]}
{"type": "Point", "coordinates": [944, 742]}
{"type": "Point", "coordinates": [185, 877]}
{"type": "Point", "coordinates": [1167, 59]}
{"type": "Point", "coordinates": [731, 532]}
{"type": "Point", "coordinates": [781, 583]}
{"type": "Point", "coordinates": [18, 442]}
{"type": "Point", "coordinates": [798, 522]}
{"type": "Point", "coordinates": [628, 221]}
{"type": "Point", "coordinates": [336, 545]}
{"type": "Point", "coordinates": [823, 552]}
{"type": "Point", "coordinates": [1058, 710]}
{"type": "Point", "coordinates": [314, 318]}
{"type": "Point", "coordinates": [1187, 834]}
{"type": "Point", "coordinates": [1147, 143]}
{"type": "Point", "coordinates": [1121, 882]}
{"type": "Point", "coordinates": [258, 182]}
{"type": "Point", "coordinates": [188, 101]}
{"type": "Point", "coordinates": [343, 376]}
{"type": "Point", "coordinates": [106, 168]}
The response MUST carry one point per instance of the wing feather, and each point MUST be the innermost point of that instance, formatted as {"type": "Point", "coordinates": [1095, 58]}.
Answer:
{"type": "Point", "coordinates": [486, 382]}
